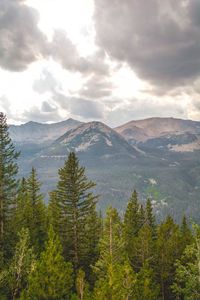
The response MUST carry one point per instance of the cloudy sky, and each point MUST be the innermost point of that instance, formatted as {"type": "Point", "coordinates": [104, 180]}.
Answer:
{"type": "Point", "coordinates": [112, 61]}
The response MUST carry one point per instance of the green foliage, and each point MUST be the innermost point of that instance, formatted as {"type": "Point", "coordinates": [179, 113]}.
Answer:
{"type": "Point", "coordinates": [82, 287]}
{"type": "Point", "coordinates": [169, 249]}
{"type": "Point", "coordinates": [87, 257]}
{"type": "Point", "coordinates": [76, 205]}
{"type": "Point", "coordinates": [14, 279]}
{"type": "Point", "coordinates": [146, 287]}
{"type": "Point", "coordinates": [132, 224]}
{"type": "Point", "coordinates": [119, 283]}
{"type": "Point", "coordinates": [52, 277]}
{"type": "Point", "coordinates": [187, 277]}
{"type": "Point", "coordinates": [8, 187]}
{"type": "Point", "coordinates": [37, 221]}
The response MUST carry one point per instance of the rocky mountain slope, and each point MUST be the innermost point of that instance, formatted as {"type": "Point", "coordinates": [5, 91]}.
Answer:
{"type": "Point", "coordinates": [93, 139]}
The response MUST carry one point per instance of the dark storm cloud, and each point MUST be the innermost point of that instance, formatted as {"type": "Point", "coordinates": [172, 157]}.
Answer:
{"type": "Point", "coordinates": [64, 51]}
{"type": "Point", "coordinates": [160, 40]}
{"type": "Point", "coordinates": [21, 42]}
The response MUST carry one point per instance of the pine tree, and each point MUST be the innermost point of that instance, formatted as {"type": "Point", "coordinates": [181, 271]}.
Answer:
{"type": "Point", "coordinates": [144, 248]}
{"type": "Point", "coordinates": [186, 234]}
{"type": "Point", "coordinates": [150, 218]}
{"type": "Point", "coordinates": [23, 208]}
{"type": "Point", "coordinates": [82, 287]}
{"type": "Point", "coordinates": [14, 279]}
{"type": "Point", "coordinates": [76, 202]}
{"type": "Point", "coordinates": [132, 224]}
{"type": "Point", "coordinates": [111, 244]}
{"type": "Point", "coordinates": [8, 186]}
{"type": "Point", "coordinates": [52, 277]}
{"type": "Point", "coordinates": [110, 268]}
{"type": "Point", "coordinates": [168, 251]}
{"type": "Point", "coordinates": [54, 212]}
{"type": "Point", "coordinates": [146, 287]}
{"type": "Point", "coordinates": [187, 277]}
{"type": "Point", "coordinates": [91, 241]}
{"type": "Point", "coordinates": [37, 218]}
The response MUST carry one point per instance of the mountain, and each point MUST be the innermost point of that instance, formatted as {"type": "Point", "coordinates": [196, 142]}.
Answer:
{"type": "Point", "coordinates": [33, 132]}
{"type": "Point", "coordinates": [159, 157]}
{"type": "Point", "coordinates": [169, 133]}
{"type": "Point", "coordinates": [93, 139]}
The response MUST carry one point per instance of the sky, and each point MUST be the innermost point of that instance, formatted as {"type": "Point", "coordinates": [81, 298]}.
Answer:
{"type": "Point", "coordinates": [111, 61]}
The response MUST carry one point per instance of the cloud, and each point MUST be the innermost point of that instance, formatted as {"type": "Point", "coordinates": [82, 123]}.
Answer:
{"type": "Point", "coordinates": [96, 87]}
{"type": "Point", "coordinates": [41, 115]}
{"type": "Point", "coordinates": [85, 108]}
{"type": "Point", "coordinates": [46, 83]}
{"type": "Point", "coordinates": [21, 42]}
{"type": "Point", "coordinates": [4, 104]}
{"type": "Point", "coordinates": [79, 107]}
{"type": "Point", "coordinates": [158, 39]}
{"type": "Point", "coordinates": [48, 107]}
{"type": "Point", "coordinates": [65, 52]}
{"type": "Point", "coordinates": [134, 109]}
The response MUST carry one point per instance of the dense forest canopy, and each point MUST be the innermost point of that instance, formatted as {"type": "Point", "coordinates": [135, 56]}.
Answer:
{"type": "Point", "coordinates": [67, 250]}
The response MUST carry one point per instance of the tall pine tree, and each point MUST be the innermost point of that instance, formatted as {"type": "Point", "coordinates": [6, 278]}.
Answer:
{"type": "Point", "coordinates": [76, 204]}
{"type": "Point", "coordinates": [8, 185]}
{"type": "Point", "coordinates": [52, 277]}
{"type": "Point", "coordinates": [37, 212]}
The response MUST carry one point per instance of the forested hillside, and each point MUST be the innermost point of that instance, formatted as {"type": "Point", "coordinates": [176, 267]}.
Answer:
{"type": "Point", "coordinates": [67, 249]}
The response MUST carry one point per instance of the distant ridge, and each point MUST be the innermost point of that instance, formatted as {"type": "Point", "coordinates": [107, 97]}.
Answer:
{"type": "Point", "coordinates": [34, 132]}
{"type": "Point", "coordinates": [142, 130]}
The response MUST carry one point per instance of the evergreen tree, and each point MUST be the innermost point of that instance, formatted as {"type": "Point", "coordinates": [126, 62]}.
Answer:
{"type": "Point", "coordinates": [54, 212]}
{"type": "Point", "coordinates": [8, 186]}
{"type": "Point", "coordinates": [14, 279]}
{"type": "Point", "coordinates": [76, 203]}
{"type": "Point", "coordinates": [37, 217]}
{"type": "Point", "coordinates": [111, 244]}
{"type": "Point", "coordinates": [91, 241]}
{"type": "Point", "coordinates": [113, 271]}
{"type": "Point", "coordinates": [146, 287]}
{"type": "Point", "coordinates": [119, 284]}
{"type": "Point", "coordinates": [149, 216]}
{"type": "Point", "coordinates": [52, 277]}
{"type": "Point", "coordinates": [144, 248]}
{"type": "Point", "coordinates": [82, 287]}
{"type": "Point", "coordinates": [186, 234]}
{"type": "Point", "coordinates": [168, 251]}
{"type": "Point", "coordinates": [23, 210]}
{"type": "Point", "coordinates": [133, 217]}
{"type": "Point", "coordinates": [187, 277]}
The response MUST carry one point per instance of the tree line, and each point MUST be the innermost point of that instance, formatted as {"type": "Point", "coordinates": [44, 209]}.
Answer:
{"type": "Point", "coordinates": [68, 250]}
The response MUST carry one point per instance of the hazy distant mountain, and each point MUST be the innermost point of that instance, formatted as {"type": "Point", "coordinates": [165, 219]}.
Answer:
{"type": "Point", "coordinates": [33, 132]}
